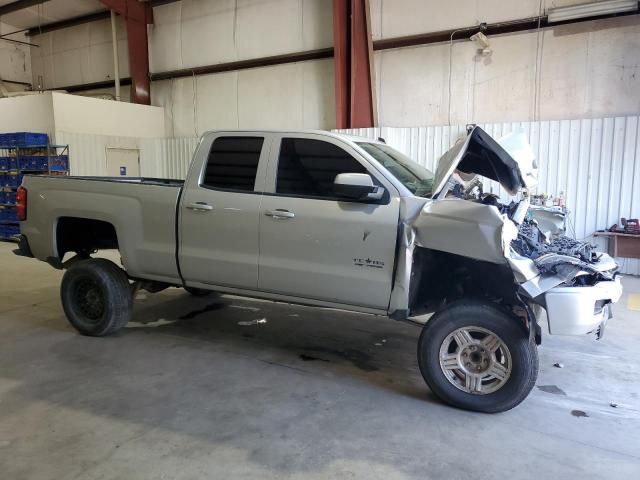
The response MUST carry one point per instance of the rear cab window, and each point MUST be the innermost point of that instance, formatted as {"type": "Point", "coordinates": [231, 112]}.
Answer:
{"type": "Point", "coordinates": [232, 163]}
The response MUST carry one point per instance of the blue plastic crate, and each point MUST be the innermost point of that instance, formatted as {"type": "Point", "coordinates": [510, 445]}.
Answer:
{"type": "Point", "coordinates": [8, 198]}
{"type": "Point", "coordinates": [24, 139]}
{"type": "Point", "coordinates": [8, 163]}
{"type": "Point", "coordinates": [8, 214]}
{"type": "Point", "coordinates": [8, 231]}
{"type": "Point", "coordinates": [59, 163]}
{"type": "Point", "coordinates": [11, 180]}
{"type": "Point", "coordinates": [33, 162]}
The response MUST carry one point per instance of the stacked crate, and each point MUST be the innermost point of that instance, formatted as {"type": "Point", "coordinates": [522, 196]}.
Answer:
{"type": "Point", "coordinates": [25, 153]}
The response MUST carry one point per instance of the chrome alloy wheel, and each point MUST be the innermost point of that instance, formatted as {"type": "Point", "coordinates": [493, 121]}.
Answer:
{"type": "Point", "coordinates": [475, 360]}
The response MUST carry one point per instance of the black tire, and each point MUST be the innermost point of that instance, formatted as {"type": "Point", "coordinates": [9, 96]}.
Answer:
{"type": "Point", "coordinates": [96, 297]}
{"type": "Point", "coordinates": [523, 352]}
{"type": "Point", "coordinates": [198, 292]}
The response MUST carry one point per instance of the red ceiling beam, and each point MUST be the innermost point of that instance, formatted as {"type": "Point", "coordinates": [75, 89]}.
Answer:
{"type": "Point", "coordinates": [353, 61]}
{"type": "Point", "coordinates": [137, 15]}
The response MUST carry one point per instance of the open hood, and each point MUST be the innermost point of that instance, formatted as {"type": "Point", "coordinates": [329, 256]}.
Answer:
{"type": "Point", "coordinates": [481, 155]}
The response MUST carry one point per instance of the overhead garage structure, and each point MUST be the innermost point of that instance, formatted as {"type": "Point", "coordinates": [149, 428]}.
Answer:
{"type": "Point", "coordinates": [321, 239]}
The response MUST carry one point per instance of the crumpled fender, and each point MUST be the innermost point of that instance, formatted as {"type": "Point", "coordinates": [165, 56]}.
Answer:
{"type": "Point", "coordinates": [456, 226]}
{"type": "Point", "coordinates": [464, 228]}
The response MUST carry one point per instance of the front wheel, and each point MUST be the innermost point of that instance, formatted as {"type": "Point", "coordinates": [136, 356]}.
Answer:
{"type": "Point", "coordinates": [475, 356]}
{"type": "Point", "coordinates": [96, 297]}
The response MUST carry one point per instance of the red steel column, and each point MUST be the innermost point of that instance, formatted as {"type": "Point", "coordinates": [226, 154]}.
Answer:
{"type": "Point", "coordinates": [137, 16]}
{"type": "Point", "coordinates": [362, 94]}
{"type": "Point", "coordinates": [341, 60]}
{"type": "Point", "coordinates": [353, 61]}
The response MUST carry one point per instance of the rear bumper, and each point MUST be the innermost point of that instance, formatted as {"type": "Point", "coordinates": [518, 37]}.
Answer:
{"type": "Point", "coordinates": [23, 250]}
{"type": "Point", "coordinates": [581, 310]}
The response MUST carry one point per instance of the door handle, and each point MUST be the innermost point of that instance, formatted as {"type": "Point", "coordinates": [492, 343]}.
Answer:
{"type": "Point", "coordinates": [279, 213]}
{"type": "Point", "coordinates": [200, 206]}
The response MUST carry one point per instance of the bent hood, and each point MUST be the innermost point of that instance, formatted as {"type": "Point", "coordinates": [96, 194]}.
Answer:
{"type": "Point", "coordinates": [480, 154]}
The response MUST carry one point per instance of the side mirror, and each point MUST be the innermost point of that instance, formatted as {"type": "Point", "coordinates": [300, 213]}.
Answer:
{"type": "Point", "coordinates": [356, 186]}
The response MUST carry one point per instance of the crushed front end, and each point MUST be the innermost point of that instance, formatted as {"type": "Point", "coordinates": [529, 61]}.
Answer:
{"type": "Point", "coordinates": [471, 244]}
{"type": "Point", "coordinates": [576, 285]}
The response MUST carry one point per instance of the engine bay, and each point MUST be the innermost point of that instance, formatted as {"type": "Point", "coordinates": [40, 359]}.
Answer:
{"type": "Point", "coordinates": [576, 261]}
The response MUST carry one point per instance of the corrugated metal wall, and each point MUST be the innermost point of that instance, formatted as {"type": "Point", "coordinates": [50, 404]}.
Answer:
{"type": "Point", "coordinates": [88, 153]}
{"type": "Point", "coordinates": [161, 158]}
{"type": "Point", "coordinates": [167, 157]}
{"type": "Point", "coordinates": [595, 162]}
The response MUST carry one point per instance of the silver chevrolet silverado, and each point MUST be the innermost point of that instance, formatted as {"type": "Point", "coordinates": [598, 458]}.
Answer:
{"type": "Point", "coordinates": [335, 221]}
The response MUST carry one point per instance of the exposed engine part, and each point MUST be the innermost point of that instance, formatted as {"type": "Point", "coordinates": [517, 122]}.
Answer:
{"type": "Point", "coordinates": [532, 243]}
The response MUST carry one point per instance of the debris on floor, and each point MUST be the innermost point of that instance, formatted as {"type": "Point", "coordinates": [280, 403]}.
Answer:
{"type": "Point", "coordinates": [558, 365]}
{"type": "Point", "coordinates": [552, 389]}
{"type": "Point", "coordinates": [579, 413]}
{"type": "Point", "coordinates": [153, 324]}
{"type": "Point", "coordinates": [246, 323]}
{"type": "Point", "coordinates": [310, 358]}
{"type": "Point", "coordinates": [242, 307]}
{"type": "Point", "coordinates": [209, 308]}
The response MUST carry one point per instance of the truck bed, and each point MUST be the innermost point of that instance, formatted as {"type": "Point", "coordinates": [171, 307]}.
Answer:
{"type": "Point", "coordinates": [141, 210]}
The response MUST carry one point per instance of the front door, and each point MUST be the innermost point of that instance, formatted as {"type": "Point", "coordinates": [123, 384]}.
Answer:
{"type": "Point", "coordinates": [220, 211]}
{"type": "Point", "coordinates": [314, 245]}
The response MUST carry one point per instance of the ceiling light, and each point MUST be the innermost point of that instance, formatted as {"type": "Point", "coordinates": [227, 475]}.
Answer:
{"type": "Point", "coordinates": [593, 9]}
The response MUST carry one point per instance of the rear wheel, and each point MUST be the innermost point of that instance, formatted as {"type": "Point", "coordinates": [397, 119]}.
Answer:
{"type": "Point", "coordinates": [475, 356]}
{"type": "Point", "coordinates": [96, 297]}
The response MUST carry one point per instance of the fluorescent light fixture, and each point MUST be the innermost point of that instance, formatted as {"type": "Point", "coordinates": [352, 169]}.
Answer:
{"type": "Point", "coordinates": [593, 9]}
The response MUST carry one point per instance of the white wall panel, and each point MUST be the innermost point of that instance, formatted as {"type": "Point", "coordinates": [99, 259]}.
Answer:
{"type": "Point", "coordinates": [595, 162]}
{"type": "Point", "coordinates": [159, 158]}
{"type": "Point", "coordinates": [75, 113]}
{"type": "Point", "coordinates": [15, 59]}
{"type": "Point", "coordinates": [193, 33]}
{"type": "Point", "coordinates": [88, 153]}
{"type": "Point", "coordinates": [296, 95]}
{"type": "Point", "coordinates": [397, 18]}
{"type": "Point", "coordinates": [78, 55]}
{"type": "Point", "coordinates": [29, 113]}
{"type": "Point", "coordinates": [167, 157]}
{"type": "Point", "coordinates": [586, 70]}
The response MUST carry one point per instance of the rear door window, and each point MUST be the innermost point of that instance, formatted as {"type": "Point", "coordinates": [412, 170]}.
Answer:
{"type": "Point", "coordinates": [308, 167]}
{"type": "Point", "coordinates": [232, 163]}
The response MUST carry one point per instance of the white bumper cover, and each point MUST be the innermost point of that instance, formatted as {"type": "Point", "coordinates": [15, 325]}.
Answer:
{"type": "Point", "coordinates": [573, 311]}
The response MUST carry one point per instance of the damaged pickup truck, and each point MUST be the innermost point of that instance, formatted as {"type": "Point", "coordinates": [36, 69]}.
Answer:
{"type": "Point", "coordinates": [335, 221]}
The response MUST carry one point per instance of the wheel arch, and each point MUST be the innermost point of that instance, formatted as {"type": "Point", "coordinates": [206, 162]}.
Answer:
{"type": "Point", "coordinates": [84, 235]}
{"type": "Point", "coordinates": [441, 278]}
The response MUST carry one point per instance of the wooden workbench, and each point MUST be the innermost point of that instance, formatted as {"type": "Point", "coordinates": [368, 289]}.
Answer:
{"type": "Point", "coordinates": [622, 244]}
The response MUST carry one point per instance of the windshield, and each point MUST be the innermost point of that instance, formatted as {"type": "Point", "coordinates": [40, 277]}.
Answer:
{"type": "Point", "coordinates": [415, 177]}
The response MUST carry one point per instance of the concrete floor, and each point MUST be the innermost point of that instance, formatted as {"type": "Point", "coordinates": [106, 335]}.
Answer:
{"type": "Point", "coordinates": [187, 392]}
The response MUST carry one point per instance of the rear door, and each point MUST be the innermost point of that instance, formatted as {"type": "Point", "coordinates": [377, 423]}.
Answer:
{"type": "Point", "coordinates": [314, 245]}
{"type": "Point", "coordinates": [220, 211]}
